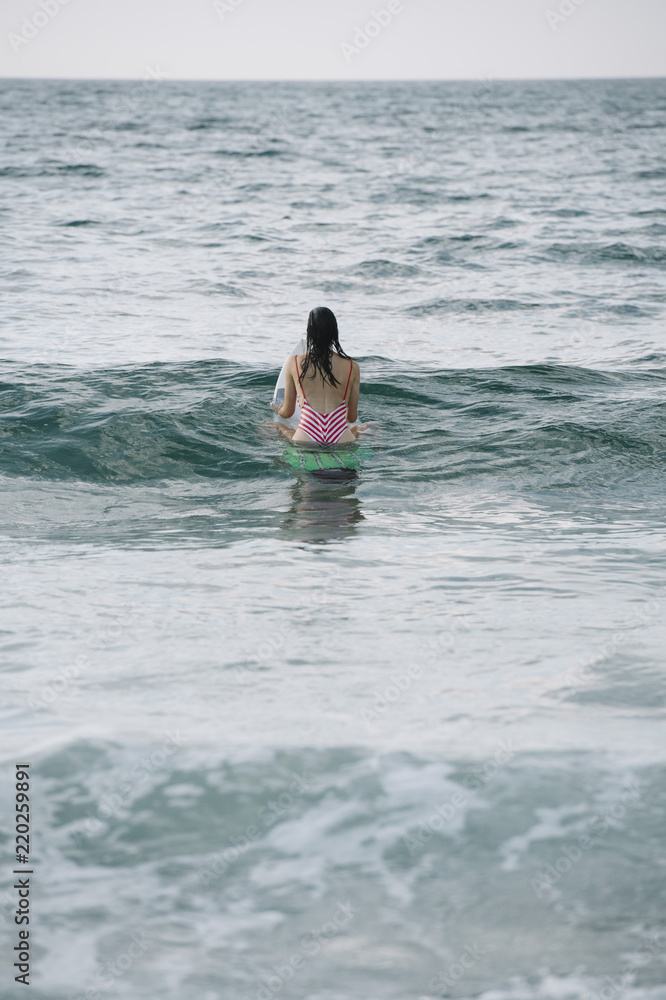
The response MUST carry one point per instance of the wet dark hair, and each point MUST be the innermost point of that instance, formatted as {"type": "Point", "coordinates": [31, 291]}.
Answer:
{"type": "Point", "coordinates": [322, 340]}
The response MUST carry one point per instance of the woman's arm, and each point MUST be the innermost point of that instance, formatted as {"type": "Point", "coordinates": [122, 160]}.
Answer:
{"type": "Point", "coordinates": [352, 399]}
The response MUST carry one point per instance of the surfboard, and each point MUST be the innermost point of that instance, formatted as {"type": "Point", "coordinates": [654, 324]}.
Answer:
{"type": "Point", "coordinates": [326, 462]}
{"type": "Point", "coordinates": [349, 459]}
{"type": "Point", "coordinates": [278, 392]}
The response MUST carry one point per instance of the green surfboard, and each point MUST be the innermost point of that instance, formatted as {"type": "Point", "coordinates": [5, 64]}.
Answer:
{"type": "Point", "coordinates": [349, 459]}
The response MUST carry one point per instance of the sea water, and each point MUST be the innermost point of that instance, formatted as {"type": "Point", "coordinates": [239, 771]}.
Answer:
{"type": "Point", "coordinates": [399, 737]}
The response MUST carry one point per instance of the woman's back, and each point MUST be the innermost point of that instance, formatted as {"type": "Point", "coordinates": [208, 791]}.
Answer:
{"type": "Point", "coordinates": [326, 409]}
{"type": "Point", "coordinates": [325, 382]}
{"type": "Point", "coordinates": [320, 394]}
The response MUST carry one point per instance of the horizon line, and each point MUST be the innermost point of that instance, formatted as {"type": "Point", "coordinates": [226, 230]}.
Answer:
{"type": "Point", "coordinates": [421, 79]}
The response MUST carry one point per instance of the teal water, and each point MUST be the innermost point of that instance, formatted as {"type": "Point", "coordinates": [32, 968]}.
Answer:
{"type": "Point", "coordinates": [397, 737]}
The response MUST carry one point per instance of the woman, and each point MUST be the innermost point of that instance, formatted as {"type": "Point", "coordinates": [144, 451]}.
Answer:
{"type": "Point", "coordinates": [326, 382]}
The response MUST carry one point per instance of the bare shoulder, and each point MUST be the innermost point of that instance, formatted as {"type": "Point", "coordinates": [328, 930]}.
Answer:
{"type": "Point", "coordinates": [355, 370]}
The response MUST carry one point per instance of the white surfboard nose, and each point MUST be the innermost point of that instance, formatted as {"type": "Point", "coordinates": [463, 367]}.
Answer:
{"type": "Point", "coordinates": [278, 393]}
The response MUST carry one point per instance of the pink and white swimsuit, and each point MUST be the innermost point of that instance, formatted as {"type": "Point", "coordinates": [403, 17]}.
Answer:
{"type": "Point", "coordinates": [324, 428]}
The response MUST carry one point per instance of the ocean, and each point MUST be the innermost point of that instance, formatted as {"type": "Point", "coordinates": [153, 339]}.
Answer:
{"type": "Point", "coordinates": [396, 738]}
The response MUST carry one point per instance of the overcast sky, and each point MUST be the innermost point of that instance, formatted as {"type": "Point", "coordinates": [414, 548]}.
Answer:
{"type": "Point", "coordinates": [333, 39]}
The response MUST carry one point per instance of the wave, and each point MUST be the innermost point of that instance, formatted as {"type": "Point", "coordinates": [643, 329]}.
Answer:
{"type": "Point", "coordinates": [53, 170]}
{"type": "Point", "coordinates": [652, 175]}
{"type": "Point", "coordinates": [304, 837]}
{"type": "Point", "coordinates": [438, 306]}
{"type": "Point", "coordinates": [78, 222]}
{"type": "Point", "coordinates": [603, 253]}
{"type": "Point", "coordinates": [382, 268]}
{"type": "Point", "coordinates": [204, 420]}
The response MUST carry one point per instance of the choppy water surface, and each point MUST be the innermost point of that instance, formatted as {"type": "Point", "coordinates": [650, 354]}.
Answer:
{"type": "Point", "coordinates": [400, 737]}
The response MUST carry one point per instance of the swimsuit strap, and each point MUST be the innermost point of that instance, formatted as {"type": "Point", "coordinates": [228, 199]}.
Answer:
{"type": "Point", "coordinates": [351, 365]}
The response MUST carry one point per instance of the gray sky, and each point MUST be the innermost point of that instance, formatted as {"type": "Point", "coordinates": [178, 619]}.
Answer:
{"type": "Point", "coordinates": [318, 39]}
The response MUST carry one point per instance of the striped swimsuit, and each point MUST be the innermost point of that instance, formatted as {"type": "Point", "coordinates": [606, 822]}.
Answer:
{"type": "Point", "coordinates": [324, 428]}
